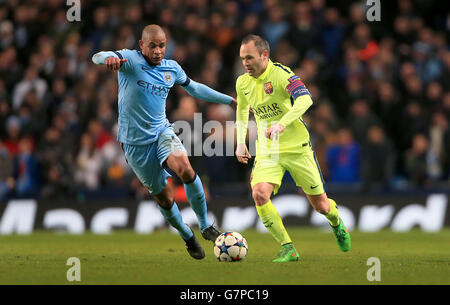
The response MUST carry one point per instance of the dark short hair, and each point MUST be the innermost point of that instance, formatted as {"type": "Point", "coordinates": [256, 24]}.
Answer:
{"type": "Point", "coordinates": [260, 43]}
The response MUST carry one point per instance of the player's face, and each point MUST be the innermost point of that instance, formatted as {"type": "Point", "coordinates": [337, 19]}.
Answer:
{"type": "Point", "coordinates": [254, 62]}
{"type": "Point", "coordinates": [153, 48]}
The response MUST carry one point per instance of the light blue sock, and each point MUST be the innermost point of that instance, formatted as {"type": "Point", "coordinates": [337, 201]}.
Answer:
{"type": "Point", "coordinates": [173, 217]}
{"type": "Point", "coordinates": [196, 198]}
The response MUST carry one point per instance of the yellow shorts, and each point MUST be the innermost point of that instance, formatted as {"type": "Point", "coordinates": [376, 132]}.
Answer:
{"type": "Point", "coordinates": [302, 166]}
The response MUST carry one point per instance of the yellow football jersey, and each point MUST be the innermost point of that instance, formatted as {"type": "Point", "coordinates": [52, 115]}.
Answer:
{"type": "Point", "coordinates": [271, 96]}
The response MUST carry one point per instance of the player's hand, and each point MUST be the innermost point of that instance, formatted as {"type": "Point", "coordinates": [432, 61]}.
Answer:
{"type": "Point", "coordinates": [233, 104]}
{"type": "Point", "coordinates": [114, 63]}
{"type": "Point", "coordinates": [242, 153]}
{"type": "Point", "coordinates": [274, 131]}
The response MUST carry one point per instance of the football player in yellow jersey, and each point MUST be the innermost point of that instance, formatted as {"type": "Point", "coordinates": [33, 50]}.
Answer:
{"type": "Point", "coordinates": [278, 99]}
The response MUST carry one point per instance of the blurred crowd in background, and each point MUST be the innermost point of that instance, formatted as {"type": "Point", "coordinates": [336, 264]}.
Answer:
{"type": "Point", "coordinates": [381, 90]}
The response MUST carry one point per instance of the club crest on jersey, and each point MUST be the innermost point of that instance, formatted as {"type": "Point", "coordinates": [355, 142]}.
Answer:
{"type": "Point", "coordinates": [167, 77]}
{"type": "Point", "coordinates": [268, 88]}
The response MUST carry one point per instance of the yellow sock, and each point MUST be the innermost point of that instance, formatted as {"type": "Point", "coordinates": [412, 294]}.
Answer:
{"type": "Point", "coordinates": [333, 214]}
{"type": "Point", "coordinates": [272, 221]}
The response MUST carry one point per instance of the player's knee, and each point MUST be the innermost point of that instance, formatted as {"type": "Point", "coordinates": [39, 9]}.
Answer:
{"type": "Point", "coordinates": [165, 199]}
{"type": "Point", "coordinates": [187, 174]}
{"type": "Point", "coordinates": [165, 203]}
{"type": "Point", "coordinates": [184, 170]}
{"type": "Point", "coordinates": [322, 206]}
{"type": "Point", "coordinates": [260, 196]}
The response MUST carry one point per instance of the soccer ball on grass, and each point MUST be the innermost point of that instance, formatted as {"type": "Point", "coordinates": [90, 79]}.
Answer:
{"type": "Point", "coordinates": [230, 247]}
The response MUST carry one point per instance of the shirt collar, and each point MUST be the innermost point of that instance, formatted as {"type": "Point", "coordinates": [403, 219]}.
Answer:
{"type": "Point", "coordinates": [267, 71]}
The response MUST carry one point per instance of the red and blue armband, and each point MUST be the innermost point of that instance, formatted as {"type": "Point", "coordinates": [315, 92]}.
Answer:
{"type": "Point", "coordinates": [296, 87]}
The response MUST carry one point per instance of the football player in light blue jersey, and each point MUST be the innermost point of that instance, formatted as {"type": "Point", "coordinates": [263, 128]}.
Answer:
{"type": "Point", "coordinates": [146, 135]}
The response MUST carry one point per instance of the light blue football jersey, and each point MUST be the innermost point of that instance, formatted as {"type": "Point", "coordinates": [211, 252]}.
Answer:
{"type": "Point", "coordinates": [143, 89]}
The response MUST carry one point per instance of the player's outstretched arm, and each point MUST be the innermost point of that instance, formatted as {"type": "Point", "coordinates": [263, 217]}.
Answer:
{"type": "Point", "coordinates": [242, 153]}
{"type": "Point", "coordinates": [110, 59]}
{"type": "Point", "coordinates": [242, 113]}
{"type": "Point", "coordinates": [203, 92]}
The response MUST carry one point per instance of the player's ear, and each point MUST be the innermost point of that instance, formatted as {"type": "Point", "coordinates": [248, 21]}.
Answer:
{"type": "Point", "coordinates": [141, 44]}
{"type": "Point", "coordinates": [265, 54]}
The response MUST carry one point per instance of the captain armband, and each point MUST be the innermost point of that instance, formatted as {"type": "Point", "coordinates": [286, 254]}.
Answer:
{"type": "Point", "coordinates": [296, 87]}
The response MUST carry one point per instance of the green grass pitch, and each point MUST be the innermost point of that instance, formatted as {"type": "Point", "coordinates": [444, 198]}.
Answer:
{"type": "Point", "coordinates": [160, 258]}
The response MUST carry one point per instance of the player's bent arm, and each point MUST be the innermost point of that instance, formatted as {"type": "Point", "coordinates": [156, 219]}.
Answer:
{"type": "Point", "coordinates": [205, 93]}
{"type": "Point", "coordinates": [301, 104]}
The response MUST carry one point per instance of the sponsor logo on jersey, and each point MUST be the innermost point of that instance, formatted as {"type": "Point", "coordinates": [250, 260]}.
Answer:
{"type": "Point", "coordinates": [267, 111]}
{"type": "Point", "coordinates": [153, 89]}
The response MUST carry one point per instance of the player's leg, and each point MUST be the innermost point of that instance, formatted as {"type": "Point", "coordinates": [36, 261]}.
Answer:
{"type": "Point", "coordinates": [271, 219]}
{"type": "Point", "coordinates": [179, 163]}
{"type": "Point", "coordinates": [169, 210]}
{"type": "Point", "coordinates": [327, 206]}
{"type": "Point", "coordinates": [172, 153]}
{"type": "Point", "coordinates": [265, 180]}
{"type": "Point", "coordinates": [307, 174]}
{"type": "Point", "coordinates": [143, 162]}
